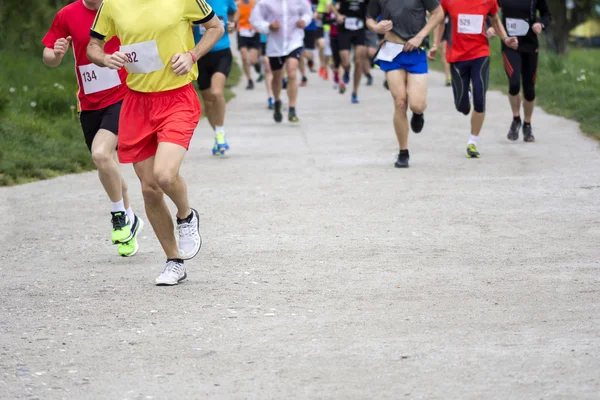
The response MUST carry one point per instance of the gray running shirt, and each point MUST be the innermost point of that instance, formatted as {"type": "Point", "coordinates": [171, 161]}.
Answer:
{"type": "Point", "coordinates": [408, 16]}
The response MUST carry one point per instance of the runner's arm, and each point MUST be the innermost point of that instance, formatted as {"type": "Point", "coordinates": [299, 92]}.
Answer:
{"type": "Point", "coordinates": [56, 41]}
{"type": "Point", "coordinates": [435, 19]}
{"type": "Point", "coordinates": [373, 11]}
{"type": "Point", "coordinates": [257, 19]}
{"type": "Point", "coordinates": [438, 34]}
{"type": "Point", "coordinates": [500, 31]}
{"type": "Point", "coordinates": [50, 58]}
{"type": "Point", "coordinates": [307, 14]}
{"type": "Point", "coordinates": [545, 16]}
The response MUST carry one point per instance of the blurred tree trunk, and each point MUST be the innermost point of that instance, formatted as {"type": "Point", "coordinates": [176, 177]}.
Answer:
{"type": "Point", "coordinates": [564, 19]}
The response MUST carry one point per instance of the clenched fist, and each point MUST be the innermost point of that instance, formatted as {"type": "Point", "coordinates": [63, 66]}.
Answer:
{"type": "Point", "coordinates": [61, 46]}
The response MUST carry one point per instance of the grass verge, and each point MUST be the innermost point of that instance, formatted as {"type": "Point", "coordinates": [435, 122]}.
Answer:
{"type": "Point", "coordinates": [40, 135]}
{"type": "Point", "coordinates": [566, 85]}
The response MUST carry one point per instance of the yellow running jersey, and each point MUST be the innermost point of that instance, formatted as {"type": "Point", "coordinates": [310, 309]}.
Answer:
{"type": "Point", "coordinates": [151, 33]}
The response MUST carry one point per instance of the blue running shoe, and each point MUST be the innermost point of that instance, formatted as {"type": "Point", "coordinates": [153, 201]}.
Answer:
{"type": "Point", "coordinates": [220, 146]}
{"type": "Point", "coordinates": [355, 98]}
{"type": "Point", "coordinates": [271, 103]}
{"type": "Point", "coordinates": [346, 77]}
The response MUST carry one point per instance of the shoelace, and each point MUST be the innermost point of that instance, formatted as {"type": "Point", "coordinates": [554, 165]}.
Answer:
{"type": "Point", "coordinates": [118, 221]}
{"type": "Point", "coordinates": [173, 266]}
{"type": "Point", "coordinates": [186, 229]}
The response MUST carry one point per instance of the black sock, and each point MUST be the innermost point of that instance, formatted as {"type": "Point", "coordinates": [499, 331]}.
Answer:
{"type": "Point", "coordinates": [404, 152]}
{"type": "Point", "coordinates": [527, 124]}
{"type": "Point", "coordinates": [517, 119]}
{"type": "Point", "coordinates": [188, 219]}
{"type": "Point", "coordinates": [257, 68]}
{"type": "Point", "coordinates": [418, 115]}
{"type": "Point", "coordinates": [177, 260]}
{"type": "Point", "coordinates": [292, 109]}
{"type": "Point", "coordinates": [368, 76]}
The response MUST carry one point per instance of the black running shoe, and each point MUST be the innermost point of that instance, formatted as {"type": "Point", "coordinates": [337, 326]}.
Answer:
{"type": "Point", "coordinates": [402, 161]}
{"type": "Point", "coordinates": [277, 115]}
{"type": "Point", "coordinates": [527, 134]}
{"type": "Point", "coordinates": [250, 85]}
{"type": "Point", "coordinates": [369, 80]}
{"type": "Point", "coordinates": [385, 85]}
{"type": "Point", "coordinates": [513, 133]}
{"type": "Point", "coordinates": [284, 83]}
{"type": "Point", "coordinates": [260, 78]}
{"type": "Point", "coordinates": [311, 65]}
{"type": "Point", "coordinates": [416, 122]}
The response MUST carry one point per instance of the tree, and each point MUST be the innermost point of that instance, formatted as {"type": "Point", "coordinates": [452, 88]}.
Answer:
{"type": "Point", "coordinates": [566, 15]}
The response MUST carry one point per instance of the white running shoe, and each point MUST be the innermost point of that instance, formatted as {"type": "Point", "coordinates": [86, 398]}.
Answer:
{"type": "Point", "coordinates": [173, 273]}
{"type": "Point", "coordinates": [190, 240]}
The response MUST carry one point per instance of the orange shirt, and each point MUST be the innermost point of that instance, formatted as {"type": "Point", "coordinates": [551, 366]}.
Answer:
{"type": "Point", "coordinates": [245, 10]}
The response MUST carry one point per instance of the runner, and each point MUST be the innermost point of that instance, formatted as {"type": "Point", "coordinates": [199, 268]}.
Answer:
{"type": "Point", "coordinates": [322, 35]}
{"type": "Point", "coordinates": [336, 64]}
{"type": "Point", "coordinates": [520, 19]}
{"type": "Point", "coordinates": [351, 16]}
{"type": "Point", "coordinates": [444, 47]}
{"type": "Point", "coordinates": [404, 60]}
{"type": "Point", "coordinates": [310, 40]}
{"type": "Point", "coordinates": [284, 22]}
{"type": "Point", "coordinates": [161, 110]}
{"type": "Point", "coordinates": [372, 43]}
{"type": "Point", "coordinates": [100, 94]}
{"type": "Point", "coordinates": [248, 40]}
{"type": "Point", "coordinates": [268, 72]}
{"type": "Point", "coordinates": [213, 70]}
{"type": "Point", "coordinates": [469, 57]}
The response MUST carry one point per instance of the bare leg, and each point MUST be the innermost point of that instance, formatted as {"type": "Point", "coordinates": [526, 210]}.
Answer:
{"type": "Point", "coordinates": [268, 76]}
{"type": "Point", "coordinates": [397, 82]}
{"type": "Point", "coordinates": [477, 122]}
{"type": "Point", "coordinates": [360, 57]}
{"type": "Point", "coordinates": [104, 157]}
{"type": "Point", "coordinates": [292, 87]}
{"type": "Point", "coordinates": [214, 100]}
{"type": "Point", "coordinates": [246, 63]}
{"type": "Point", "coordinates": [528, 107]}
{"type": "Point", "coordinates": [277, 83]}
{"type": "Point", "coordinates": [167, 162]}
{"type": "Point", "coordinates": [515, 104]}
{"type": "Point", "coordinates": [156, 208]}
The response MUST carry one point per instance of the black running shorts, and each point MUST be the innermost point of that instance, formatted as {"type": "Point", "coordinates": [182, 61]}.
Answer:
{"type": "Point", "coordinates": [348, 39]}
{"type": "Point", "coordinates": [249, 42]}
{"type": "Point", "coordinates": [211, 63]}
{"type": "Point", "coordinates": [94, 120]}
{"type": "Point", "coordinates": [277, 63]}
{"type": "Point", "coordinates": [309, 39]}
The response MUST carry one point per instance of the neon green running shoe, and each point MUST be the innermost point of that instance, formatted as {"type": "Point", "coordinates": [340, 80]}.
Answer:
{"type": "Point", "coordinates": [472, 151]}
{"type": "Point", "coordinates": [220, 146]}
{"type": "Point", "coordinates": [131, 248]}
{"type": "Point", "coordinates": [121, 227]}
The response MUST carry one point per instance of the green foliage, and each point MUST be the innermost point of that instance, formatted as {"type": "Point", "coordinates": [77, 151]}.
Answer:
{"type": "Point", "coordinates": [567, 85]}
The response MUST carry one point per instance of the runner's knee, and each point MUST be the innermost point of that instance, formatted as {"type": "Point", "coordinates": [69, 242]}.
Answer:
{"type": "Point", "coordinates": [102, 158]}
{"type": "Point", "coordinates": [151, 192]}
{"type": "Point", "coordinates": [479, 103]}
{"type": "Point", "coordinates": [400, 103]}
{"type": "Point", "coordinates": [418, 108]}
{"type": "Point", "coordinates": [215, 93]}
{"type": "Point", "coordinates": [514, 87]}
{"type": "Point", "coordinates": [165, 179]}
{"type": "Point", "coordinates": [529, 91]}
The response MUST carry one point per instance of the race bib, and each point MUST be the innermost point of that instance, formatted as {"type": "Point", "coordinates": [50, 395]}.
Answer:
{"type": "Point", "coordinates": [517, 27]}
{"type": "Point", "coordinates": [142, 58]}
{"type": "Point", "coordinates": [353, 24]}
{"type": "Point", "coordinates": [245, 32]}
{"type": "Point", "coordinates": [389, 51]}
{"type": "Point", "coordinates": [96, 79]}
{"type": "Point", "coordinates": [202, 29]}
{"type": "Point", "coordinates": [471, 24]}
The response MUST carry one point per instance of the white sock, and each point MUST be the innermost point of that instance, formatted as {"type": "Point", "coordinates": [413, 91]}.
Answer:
{"type": "Point", "coordinates": [130, 215]}
{"type": "Point", "coordinates": [219, 129]}
{"type": "Point", "coordinates": [472, 139]}
{"type": "Point", "coordinates": [118, 206]}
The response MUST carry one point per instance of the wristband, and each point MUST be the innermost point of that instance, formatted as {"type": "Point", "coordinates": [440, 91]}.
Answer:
{"type": "Point", "coordinates": [194, 59]}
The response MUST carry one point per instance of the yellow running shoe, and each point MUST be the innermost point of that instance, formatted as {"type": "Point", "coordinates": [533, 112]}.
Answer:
{"type": "Point", "coordinates": [472, 151]}
{"type": "Point", "coordinates": [131, 248]}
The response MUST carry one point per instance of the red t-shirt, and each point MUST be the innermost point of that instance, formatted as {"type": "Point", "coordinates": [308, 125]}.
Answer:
{"type": "Point", "coordinates": [468, 40]}
{"type": "Point", "coordinates": [97, 87]}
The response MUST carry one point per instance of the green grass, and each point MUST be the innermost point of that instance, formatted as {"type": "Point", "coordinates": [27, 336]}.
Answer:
{"type": "Point", "coordinates": [40, 135]}
{"type": "Point", "coordinates": [567, 86]}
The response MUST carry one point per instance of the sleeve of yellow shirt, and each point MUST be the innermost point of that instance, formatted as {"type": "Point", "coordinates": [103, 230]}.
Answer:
{"type": "Point", "coordinates": [197, 11]}
{"type": "Point", "coordinates": [103, 27]}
